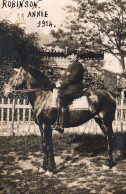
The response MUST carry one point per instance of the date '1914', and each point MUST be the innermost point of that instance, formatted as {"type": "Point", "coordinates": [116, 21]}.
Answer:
{"type": "Point", "coordinates": [44, 23]}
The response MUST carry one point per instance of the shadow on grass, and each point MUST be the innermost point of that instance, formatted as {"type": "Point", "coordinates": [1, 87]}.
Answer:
{"type": "Point", "coordinates": [88, 143]}
{"type": "Point", "coordinates": [82, 143]}
{"type": "Point", "coordinates": [93, 144]}
{"type": "Point", "coordinates": [33, 182]}
{"type": "Point", "coordinates": [120, 141]}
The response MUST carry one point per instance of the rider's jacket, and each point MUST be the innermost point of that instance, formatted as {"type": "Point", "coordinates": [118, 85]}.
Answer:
{"type": "Point", "coordinates": [72, 81]}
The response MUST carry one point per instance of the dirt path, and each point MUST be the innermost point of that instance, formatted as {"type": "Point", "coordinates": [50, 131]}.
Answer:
{"type": "Point", "coordinates": [80, 163]}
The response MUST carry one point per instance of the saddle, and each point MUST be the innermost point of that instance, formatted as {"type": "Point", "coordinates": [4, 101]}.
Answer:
{"type": "Point", "coordinates": [77, 104]}
{"type": "Point", "coordinates": [63, 113]}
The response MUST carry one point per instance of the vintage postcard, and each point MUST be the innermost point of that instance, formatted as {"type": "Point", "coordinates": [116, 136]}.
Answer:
{"type": "Point", "coordinates": [62, 96]}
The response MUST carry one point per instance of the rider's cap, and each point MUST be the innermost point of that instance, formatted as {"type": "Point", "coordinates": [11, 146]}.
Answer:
{"type": "Point", "coordinates": [72, 51]}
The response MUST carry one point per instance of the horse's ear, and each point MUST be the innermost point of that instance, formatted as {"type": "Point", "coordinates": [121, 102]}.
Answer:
{"type": "Point", "coordinates": [16, 69]}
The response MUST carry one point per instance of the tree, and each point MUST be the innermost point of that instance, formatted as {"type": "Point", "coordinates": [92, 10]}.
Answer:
{"type": "Point", "coordinates": [93, 22]}
{"type": "Point", "coordinates": [20, 49]}
{"type": "Point", "coordinates": [17, 46]}
{"type": "Point", "coordinates": [16, 49]}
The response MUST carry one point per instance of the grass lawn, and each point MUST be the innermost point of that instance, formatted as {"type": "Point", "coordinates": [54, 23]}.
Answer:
{"type": "Point", "coordinates": [80, 161]}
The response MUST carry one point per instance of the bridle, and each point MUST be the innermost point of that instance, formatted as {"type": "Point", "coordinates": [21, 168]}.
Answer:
{"type": "Point", "coordinates": [22, 90]}
{"type": "Point", "coordinates": [17, 76]}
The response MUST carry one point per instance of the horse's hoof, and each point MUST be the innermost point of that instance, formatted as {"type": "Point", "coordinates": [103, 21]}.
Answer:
{"type": "Point", "coordinates": [110, 163]}
{"type": "Point", "coordinates": [110, 166]}
{"type": "Point", "coordinates": [48, 173]}
{"type": "Point", "coordinates": [105, 167]}
{"type": "Point", "coordinates": [41, 170]}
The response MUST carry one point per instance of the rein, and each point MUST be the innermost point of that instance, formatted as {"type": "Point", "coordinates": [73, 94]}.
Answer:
{"type": "Point", "coordinates": [24, 90]}
{"type": "Point", "coordinates": [27, 90]}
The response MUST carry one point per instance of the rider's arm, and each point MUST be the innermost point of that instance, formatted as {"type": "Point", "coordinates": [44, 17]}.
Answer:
{"type": "Point", "coordinates": [72, 76]}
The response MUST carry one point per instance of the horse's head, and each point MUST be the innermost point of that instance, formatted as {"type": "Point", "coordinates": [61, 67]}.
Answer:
{"type": "Point", "coordinates": [28, 77]}
{"type": "Point", "coordinates": [15, 81]}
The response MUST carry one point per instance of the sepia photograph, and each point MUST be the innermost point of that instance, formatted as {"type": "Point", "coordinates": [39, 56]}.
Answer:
{"type": "Point", "coordinates": [62, 96]}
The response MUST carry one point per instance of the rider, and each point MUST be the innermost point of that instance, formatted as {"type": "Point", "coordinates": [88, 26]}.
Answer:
{"type": "Point", "coordinates": [70, 88]}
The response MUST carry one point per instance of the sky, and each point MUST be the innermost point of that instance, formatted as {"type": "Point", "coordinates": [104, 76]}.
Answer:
{"type": "Point", "coordinates": [54, 9]}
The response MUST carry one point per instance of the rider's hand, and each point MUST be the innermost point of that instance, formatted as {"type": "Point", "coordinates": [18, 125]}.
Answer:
{"type": "Point", "coordinates": [58, 84]}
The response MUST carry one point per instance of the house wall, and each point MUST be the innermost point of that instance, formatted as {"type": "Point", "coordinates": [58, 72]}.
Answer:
{"type": "Point", "coordinates": [111, 63]}
{"type": "Point", "coordinates": [110, 79]}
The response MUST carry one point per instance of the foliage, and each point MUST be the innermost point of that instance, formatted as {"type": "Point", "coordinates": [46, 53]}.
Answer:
{"type": "Point", "coordinates": [91, 23]}
{"type": "Point", "coordinates": [94, 77]}
{"type": "Point", "coordinates": [109, 22]}
{"type": "Point", "coordinates": [16, 49]}
{"type": "Point", "coordinates": [20, 49]}
{"type": "Point", "coordinates": [51, 69]}
{"type": "Point", "coordinates": [17, 46]}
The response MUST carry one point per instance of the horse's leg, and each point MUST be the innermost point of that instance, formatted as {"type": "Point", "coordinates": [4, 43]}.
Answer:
{"type": "Point", "coordinates": [48, 161]}
{"type": "Point", "coordinates": [106, 127]}
{"type": "Point", "coordinates": [51, 161]}
{"type": "Point", "coordinates": [44, 148]}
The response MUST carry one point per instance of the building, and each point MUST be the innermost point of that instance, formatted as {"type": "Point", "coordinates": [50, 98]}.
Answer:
{"type": "Point", "coordinates": [21, 20]}
{"type": "Point", "coordinates": [110, 79]}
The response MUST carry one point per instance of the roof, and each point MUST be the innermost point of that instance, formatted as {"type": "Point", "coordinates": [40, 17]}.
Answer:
{"type": "Point", "coordinates": [93, 47]}
{"type": "Point", "coordinates": [45, 39]}
{"type": "Point", "coordinates": [108, 71]}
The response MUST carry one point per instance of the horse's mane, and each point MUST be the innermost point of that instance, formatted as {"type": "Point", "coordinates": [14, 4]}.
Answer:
{"type": "Point", "coordinates": [41, 79]}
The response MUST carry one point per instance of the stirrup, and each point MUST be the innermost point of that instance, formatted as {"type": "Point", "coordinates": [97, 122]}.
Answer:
{"type": "Point", "coordinates": [58, 128]}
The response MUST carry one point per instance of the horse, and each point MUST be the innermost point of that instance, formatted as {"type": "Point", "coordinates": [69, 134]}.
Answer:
{"type": "Point", "coordinates": [102, 108]}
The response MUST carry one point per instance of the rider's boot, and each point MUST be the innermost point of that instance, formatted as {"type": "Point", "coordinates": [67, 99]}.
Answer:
{"type": "Point", "coordinates": [59, 123]}
{"type": "Point", "coordinates": [65, 116]}
{"type": "Point", "coordinates": [62, 119]}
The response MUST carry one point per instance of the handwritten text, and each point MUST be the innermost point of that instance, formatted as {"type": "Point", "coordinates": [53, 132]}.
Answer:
{"type": "Point", "coordinates": [20, 4]}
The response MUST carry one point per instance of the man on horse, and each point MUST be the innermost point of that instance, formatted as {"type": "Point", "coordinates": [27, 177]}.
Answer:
{"type": "Point", "coordinates": [70, 88]}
